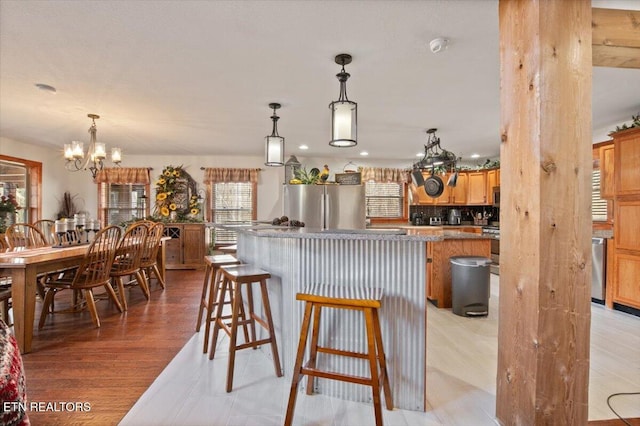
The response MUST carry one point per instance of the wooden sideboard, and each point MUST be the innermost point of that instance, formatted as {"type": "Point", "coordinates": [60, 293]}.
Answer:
{"type": "Point", "coordinates": [186, 248]}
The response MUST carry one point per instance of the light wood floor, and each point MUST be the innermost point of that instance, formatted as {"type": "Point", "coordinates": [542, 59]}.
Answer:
{"type": "Point", "coordinates": [114, 366]}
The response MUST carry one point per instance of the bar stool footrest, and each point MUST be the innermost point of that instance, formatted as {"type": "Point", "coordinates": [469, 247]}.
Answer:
{"type": "Point", "coordinates": [336, 376]}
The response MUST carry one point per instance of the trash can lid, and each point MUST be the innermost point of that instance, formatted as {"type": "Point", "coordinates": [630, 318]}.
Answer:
{"type": "Point", "coordinates": [470, 261]}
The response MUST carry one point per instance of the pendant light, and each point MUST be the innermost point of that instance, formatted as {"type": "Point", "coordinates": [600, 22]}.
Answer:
{"type": "Point", "coordinates": [274, 147]}
{"type": "Point", "coordinates": [344, 113]}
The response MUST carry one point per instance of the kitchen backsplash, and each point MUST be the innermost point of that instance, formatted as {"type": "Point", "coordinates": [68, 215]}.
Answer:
{"type": "Point", "coordinates": [467, 212]}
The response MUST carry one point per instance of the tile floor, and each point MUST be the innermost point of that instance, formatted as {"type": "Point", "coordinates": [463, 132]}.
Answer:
{"type": "Point", "coordinates": [461, 371]}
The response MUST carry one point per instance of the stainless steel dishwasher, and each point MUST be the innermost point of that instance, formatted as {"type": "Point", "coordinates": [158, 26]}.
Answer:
{"type": "Point", "coordinates": [598, 269]}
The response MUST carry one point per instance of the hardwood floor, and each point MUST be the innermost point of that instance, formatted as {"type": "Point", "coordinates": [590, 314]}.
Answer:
{"type": "Point", "coordinates": [110, 367]}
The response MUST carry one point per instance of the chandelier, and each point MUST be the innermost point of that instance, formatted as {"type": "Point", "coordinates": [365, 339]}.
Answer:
{"type": "Point", "coordinates": [274, 147]}
{"type": "Point", "coordinates": [344, 113]}
{"type": "Point", "coordinates": [93, 160]}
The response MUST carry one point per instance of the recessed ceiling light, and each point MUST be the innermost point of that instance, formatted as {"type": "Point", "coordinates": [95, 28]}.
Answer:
{"type": "Point", "coordinates": [46, 87]}
{"type": "Point", "coordinates": [475, 155]}
{"type": "Point", "coordinates": [303, 147]}
{"type": "Point", "coordinates": [364, 153]}
{"type": "Point", "coordinates": [420, 154]}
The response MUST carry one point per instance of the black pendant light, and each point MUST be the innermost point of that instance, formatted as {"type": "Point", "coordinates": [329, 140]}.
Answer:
{"type": "Point", "coordinates": [274, 147]}
{"type": "Point", "coordinates": [344, 113]}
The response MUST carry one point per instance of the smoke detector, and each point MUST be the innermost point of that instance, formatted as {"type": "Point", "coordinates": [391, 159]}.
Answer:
{"type": "Point", "coordinates": [438, 44]}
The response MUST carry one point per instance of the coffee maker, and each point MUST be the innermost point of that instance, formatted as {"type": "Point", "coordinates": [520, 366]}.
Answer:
{"type": "Point", "coordinates": [454, 217]}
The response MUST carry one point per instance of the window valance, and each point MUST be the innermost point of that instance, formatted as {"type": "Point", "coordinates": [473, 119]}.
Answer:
{"type": "Point", "coordinates": [381, 175]}
{"type": "Point", "coordinates": [216, 175]}
{"type": "Point", "coordinates": [122, 175]}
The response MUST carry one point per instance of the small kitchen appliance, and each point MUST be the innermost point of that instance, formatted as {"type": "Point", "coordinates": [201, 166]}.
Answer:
{"type": "Point", "coordinates": [455, 217]}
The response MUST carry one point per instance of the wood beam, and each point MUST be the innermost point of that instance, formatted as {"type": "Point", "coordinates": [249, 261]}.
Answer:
{"type": "Point", "coordinates": [616, 38]}
{"type": "Point", "coordinates": [545, 252]}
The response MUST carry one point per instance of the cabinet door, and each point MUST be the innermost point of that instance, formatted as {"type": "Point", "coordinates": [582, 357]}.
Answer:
{"type": "Point", "coordinates": [627, 158]}
{"type": "Point", "coordinates": [477, 188]}
{"type": "Point", "coordinates": [627, 271]}
{"type": "Point", "coordinates": [193, 244]}
{"type": "Point", "coordinates": [459, 193]}
{"type": "Point", "coordinates": [429, 275]}
{"type": "Point", "coordinates": [607, 180]}
{"type": "Point", "coordinates": [173, 247]}
{"type": "Point", "coordinates": [492, 182]}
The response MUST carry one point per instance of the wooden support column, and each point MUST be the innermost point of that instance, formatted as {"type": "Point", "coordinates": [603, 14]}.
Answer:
{"type": "Point", "coordinates": [545, 253]}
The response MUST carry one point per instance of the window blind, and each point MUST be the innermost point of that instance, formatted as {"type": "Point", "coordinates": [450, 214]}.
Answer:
{"type": "Point", "coordinates": [232, 204]}
{"type": "Point", "coordinates": [384, 199]}
{"type": "Point", "coordinates": [598, 205]}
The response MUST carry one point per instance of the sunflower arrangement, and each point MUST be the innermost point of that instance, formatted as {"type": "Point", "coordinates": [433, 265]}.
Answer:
{"type": "Point", "coordinates": [172, 200]}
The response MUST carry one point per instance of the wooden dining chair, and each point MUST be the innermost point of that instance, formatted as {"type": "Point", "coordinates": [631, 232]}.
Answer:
{"type": "Point", "coordinates": [47, 228]}
{"type": "Point", "coordinates": [127, 261]}
{"type": "Point", "coordinates": [94, 271]}
{"type": "Point", "coordinates": [24, 235]}
{"type": "Point", "coordinates": [149, 261]}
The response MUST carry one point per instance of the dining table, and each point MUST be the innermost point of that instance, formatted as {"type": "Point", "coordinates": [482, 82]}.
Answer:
{"type": "Point", "coordinates": [23, 266]}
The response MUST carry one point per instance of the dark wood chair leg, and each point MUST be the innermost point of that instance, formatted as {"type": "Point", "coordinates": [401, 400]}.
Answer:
{"type": "Point", "coordinates": [237, 301]}
{"type": "Point", "coordinates": [302, 343]}
{"type": "Point", "coordinates": [388, 396]}
{"type": "Point", "coordinates": [315, 334]}
{"type": "Point", "coordinates": [217, 323]}
{"type": "Point", "coordinates": [272, 332]}
{"type": "Point", "coordinates": [203, 305]}
{"type": "Point", "coordinates": [373, 365]}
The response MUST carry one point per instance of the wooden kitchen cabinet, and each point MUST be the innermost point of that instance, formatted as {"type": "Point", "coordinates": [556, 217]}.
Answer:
{"type": "Point", "coordinates": [627, 163]}
{"type": "Point", "coordinates": [477, 184]}
{"type": "Point", "coordinates": [493, 180]}
{"type": "Point", "coordinates": [626, 225]}
{"type": "Point", "coordinates": [186, 248]}
{"type": "Point", "coordinates": [607, 178]}
{"type": "Point", "coordinates": [438, 266]}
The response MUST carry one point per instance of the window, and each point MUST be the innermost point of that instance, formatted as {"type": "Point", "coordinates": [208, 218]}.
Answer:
{"type": "Point", "coordinates": [122, 194]}
{"type": "Point", "coordinates": [232, 202]}
{"type": "Point", "coordinates": [23, 180]}
{"type": "Point", "coordinates": [598, 205]}
{"type": "Point", "coordinates": [232, 199]}
{"type": "Point", "coordinates": [384, 200]}
{"type": "Point", "coordinates": [122, 202]}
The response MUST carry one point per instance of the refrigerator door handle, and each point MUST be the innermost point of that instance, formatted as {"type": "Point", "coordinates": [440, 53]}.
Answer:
{"type": "Point", "coordinates": [325, 206]}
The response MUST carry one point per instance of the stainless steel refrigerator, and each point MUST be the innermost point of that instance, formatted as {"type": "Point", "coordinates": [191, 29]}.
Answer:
{"type": "Point", "coordinates": [326, 206]}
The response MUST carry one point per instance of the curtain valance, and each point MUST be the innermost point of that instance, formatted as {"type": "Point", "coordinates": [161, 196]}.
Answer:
{"type": "Point", "coordinates": [121, 175]}
{"type": "Point", "coordinates": [216, 175]}
{"type": "Point", "coordinates": [381, 175]}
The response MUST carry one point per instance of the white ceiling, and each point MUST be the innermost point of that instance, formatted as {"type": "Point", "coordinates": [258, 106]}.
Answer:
{"type": "Point", "coordinates": [196, 77]}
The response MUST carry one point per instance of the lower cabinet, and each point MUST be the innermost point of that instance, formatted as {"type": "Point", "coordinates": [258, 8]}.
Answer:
{"type": "Point", "coordinates": [439, 267]}
{"type": "Point", "coordinates": [186, 248]}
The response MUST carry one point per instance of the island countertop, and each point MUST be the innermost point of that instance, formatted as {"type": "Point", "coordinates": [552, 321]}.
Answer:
{"type": "Point", "coordinates": [432, 233]}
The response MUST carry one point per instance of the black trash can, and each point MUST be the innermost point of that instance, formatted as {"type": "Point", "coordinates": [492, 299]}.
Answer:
{"type": "Point", "coordinates": [470, 285]}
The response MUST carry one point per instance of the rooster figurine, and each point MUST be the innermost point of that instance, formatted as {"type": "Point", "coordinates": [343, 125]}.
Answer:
{"type": "Point", "coordinates": [324, 174]}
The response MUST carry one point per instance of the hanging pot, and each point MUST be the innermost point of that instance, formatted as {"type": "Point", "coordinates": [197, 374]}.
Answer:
{"type": "Point", "coordinates": [417, 178]}
{"type": "Point", "coordinates": [434, 186]}
{"type": "Point", "coordinates": [453, 179]}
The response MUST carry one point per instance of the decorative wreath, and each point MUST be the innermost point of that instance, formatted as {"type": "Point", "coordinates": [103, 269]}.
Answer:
{"type": "Point", "coordinates": [176, 192]}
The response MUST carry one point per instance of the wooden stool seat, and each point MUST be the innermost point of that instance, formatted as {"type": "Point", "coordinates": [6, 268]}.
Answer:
{"type": "Point", "coordinates": [365, 299]}
{"type": "Point", "coordinates": [234, 277]}
{"type": "Point", "coordinates": [210, 288]}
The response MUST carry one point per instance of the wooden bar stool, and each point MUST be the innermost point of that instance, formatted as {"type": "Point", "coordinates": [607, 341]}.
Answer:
{"type": "Point", "coordinates": [235, 277]}
{"type": "Point", "coordinates": [210, 286]}
{"type": "Point", "coordinates": [368, 300]}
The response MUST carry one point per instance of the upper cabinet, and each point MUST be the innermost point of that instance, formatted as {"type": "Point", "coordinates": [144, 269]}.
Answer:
{"type": "Point", "coordinates": [477, 193]}
{"type": "Point", "coordinates": [607, 179]}
{"type": "Point", "coordinates": [627, 162]}
{"type": "Point", "coordinates": [493, 180]}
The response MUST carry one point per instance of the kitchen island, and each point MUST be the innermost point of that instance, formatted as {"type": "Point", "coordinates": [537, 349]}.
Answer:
{"type": "Point", "coordinates": [392, 259]}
